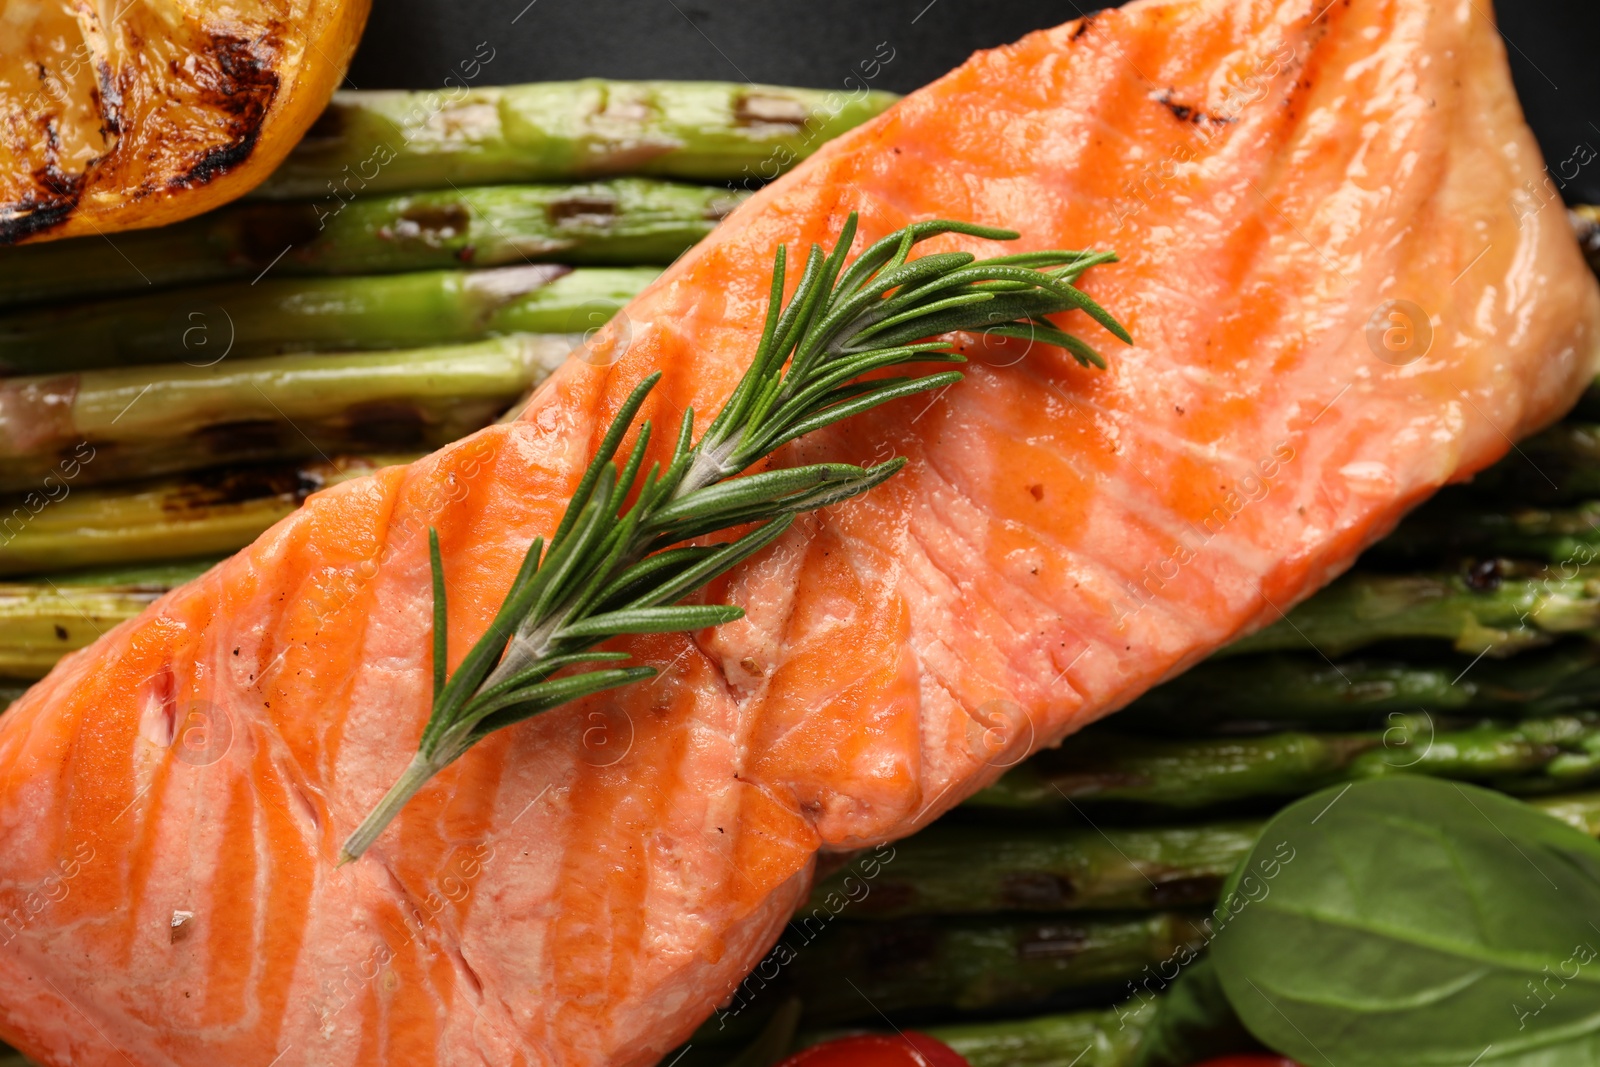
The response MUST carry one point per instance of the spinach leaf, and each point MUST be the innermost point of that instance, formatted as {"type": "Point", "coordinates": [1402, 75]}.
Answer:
{"type": "Point", "coordinates": [1193, 1022]}
{"type": "Point", "coordinates": [1417, 923]}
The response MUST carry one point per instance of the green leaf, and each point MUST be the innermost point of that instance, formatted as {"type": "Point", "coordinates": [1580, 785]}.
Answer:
{"type": "Point", "coordinates": [508, 708]}
{"type": "Point", "coordinates": [608, 448]}
{"type": "Point", "coordinates": [738, 401]}
{"type": "Point", "coordinates": [1411, 922]}
{"type": "Point", "coordinates": [716, 561]}
{"type": "Point", "coordinates": [1044, 333]}
{"type": "Point", "coordinates": [1193, 1022]}
{"type": "Point", "coordinates": [844, 369]}
{"type": "Point", "coordinates": [660, 568]}
{"type": "Point", "coordinates": [725, 497]}
{"type": "Point", "coordinates": [826, 495]}
{"type": "Point", "coordinates": [548, 666]}
{"type": "Point", "coordinates": [441, 647]}
{"type": "Point", "coordinates": [886, 247]}
{"type": "Point", "coordinates": [830, 415]}
{"type": "Point", "coordinates": [653, 620]}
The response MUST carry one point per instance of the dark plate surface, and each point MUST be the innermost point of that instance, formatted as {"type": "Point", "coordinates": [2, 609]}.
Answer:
{"type": "Point", "coordinates": [1554, 47]}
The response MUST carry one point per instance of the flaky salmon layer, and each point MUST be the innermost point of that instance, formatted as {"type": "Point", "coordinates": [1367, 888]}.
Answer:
{"type": "Point", "coordinates": [587, 887]}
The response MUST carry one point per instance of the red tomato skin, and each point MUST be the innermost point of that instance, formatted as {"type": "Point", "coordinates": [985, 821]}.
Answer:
{"type": "Point", "coordinates": [907, 1049]}
{"type": "Point", "coordinates": [935, 1052]}
{"type": "Point", "coordinates": [1252, 1060]}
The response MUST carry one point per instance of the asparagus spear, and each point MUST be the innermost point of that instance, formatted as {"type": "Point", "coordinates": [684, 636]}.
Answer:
{"type": "Point", "coordinates": [147, 421]}
{"type": "Point", "coordinates": [1285, 689]}
{"type": "Point", "coordinates": [1581, 811]}
{"type": "Point", "coordinates": [1454, 523]}
{"type": "Point", "coordinates": [620, 222]}
{"type": "Point", "coordinates": [1559, 465]}
{"type": "Point", "coordinates": [1104, 1038]}
{"type": "Point", "coordinates": [373, 142]}
{"type": "Point", "coordinates": [1099, 765]}
{"type": "Point", "coordinates": [917, 965]}
{"type": "Point", "coordinates": [1022, 867]}
{"type": "Point", "coordinates": [963, 869]}
{"type": "Point", "coordinates": [1498, 609]}
{"type": "Point", "coordinates": [204, 514]}
{"type": "Point", "coordinates": [44, 618]}
{"type": "Point", "coordinates": [202, 326]}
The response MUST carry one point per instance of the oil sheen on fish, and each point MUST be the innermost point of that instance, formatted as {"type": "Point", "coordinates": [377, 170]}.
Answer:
{"type": "Point", "coordinates": [1343, 295]}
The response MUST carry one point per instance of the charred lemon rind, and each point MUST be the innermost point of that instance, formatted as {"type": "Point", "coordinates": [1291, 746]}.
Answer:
{"type": "Point", "coordinates": [162, 117]}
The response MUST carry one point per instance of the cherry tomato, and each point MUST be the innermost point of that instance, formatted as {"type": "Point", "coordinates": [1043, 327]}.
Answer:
{"type": "Point", "coordinates": [1254, 1060]}
{"type": "Point", "coordinates": [908, 1049]}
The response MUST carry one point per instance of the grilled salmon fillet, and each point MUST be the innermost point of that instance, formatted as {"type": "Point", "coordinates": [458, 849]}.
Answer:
{"type": "Point", "coordinates": [1341, 297]}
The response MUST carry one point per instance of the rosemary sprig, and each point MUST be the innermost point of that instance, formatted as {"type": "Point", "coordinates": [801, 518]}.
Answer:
{"type": "Point", "coordinates": [614, 568]}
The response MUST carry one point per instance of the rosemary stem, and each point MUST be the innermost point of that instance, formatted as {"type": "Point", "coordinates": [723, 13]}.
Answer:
{"type": "Point", "coordinates": [602, 581]}
{"type": "Point", "coordinates": [525, 649]}
{"type": "Point", "coordinates": [709, 466]}
{"type": "Point", "coordinates": [415, 777]}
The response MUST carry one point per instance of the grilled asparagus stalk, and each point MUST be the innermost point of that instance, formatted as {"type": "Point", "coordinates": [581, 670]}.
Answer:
{"type": "Point", "coordinates": [207, 513]}
{"type": "Point", "coordinates": [375, 142]}
{"type": "Point", "coordinates": [203, 326]}
{"type": "Point", "coordinates": [1455, 523]}
{"type": "Point", "coordinates": [962, 869]}
{"type": "Point", "coordinates": [44, 618]}
{"type": "Point", "coordinates": [1559, 465]}
{"type": "Point", "coordinates": [1498, 609]}
{"type": "Point", "coordinates": [1099, 766]}
{"type": "Point", "coordinates": [1581, 811]}
{"type": "Point", "coordinates": [955, 965]}
{"type": "Point", "coordinates": [1286, 689]}
{"type": "Point", "coordinates": [1106, 1038]}
{"type": "Point", "coordinates": [134, 422]}
{"type": "Point", "coordinates": [622, 222]}
{"type": "Point", "coordinates": [1020, 866]}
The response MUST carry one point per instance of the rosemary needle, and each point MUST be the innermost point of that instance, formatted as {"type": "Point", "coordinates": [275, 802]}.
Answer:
{"type": "Point", "coordinates": [613, 568]}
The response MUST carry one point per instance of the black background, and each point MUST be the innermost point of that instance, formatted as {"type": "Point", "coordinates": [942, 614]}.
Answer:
{"type": "Point", "coordinates": [1554, 46]}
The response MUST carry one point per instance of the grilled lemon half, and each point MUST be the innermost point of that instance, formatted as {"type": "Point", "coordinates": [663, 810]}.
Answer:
{"type": "Point", "coordinates": [119, 114]}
